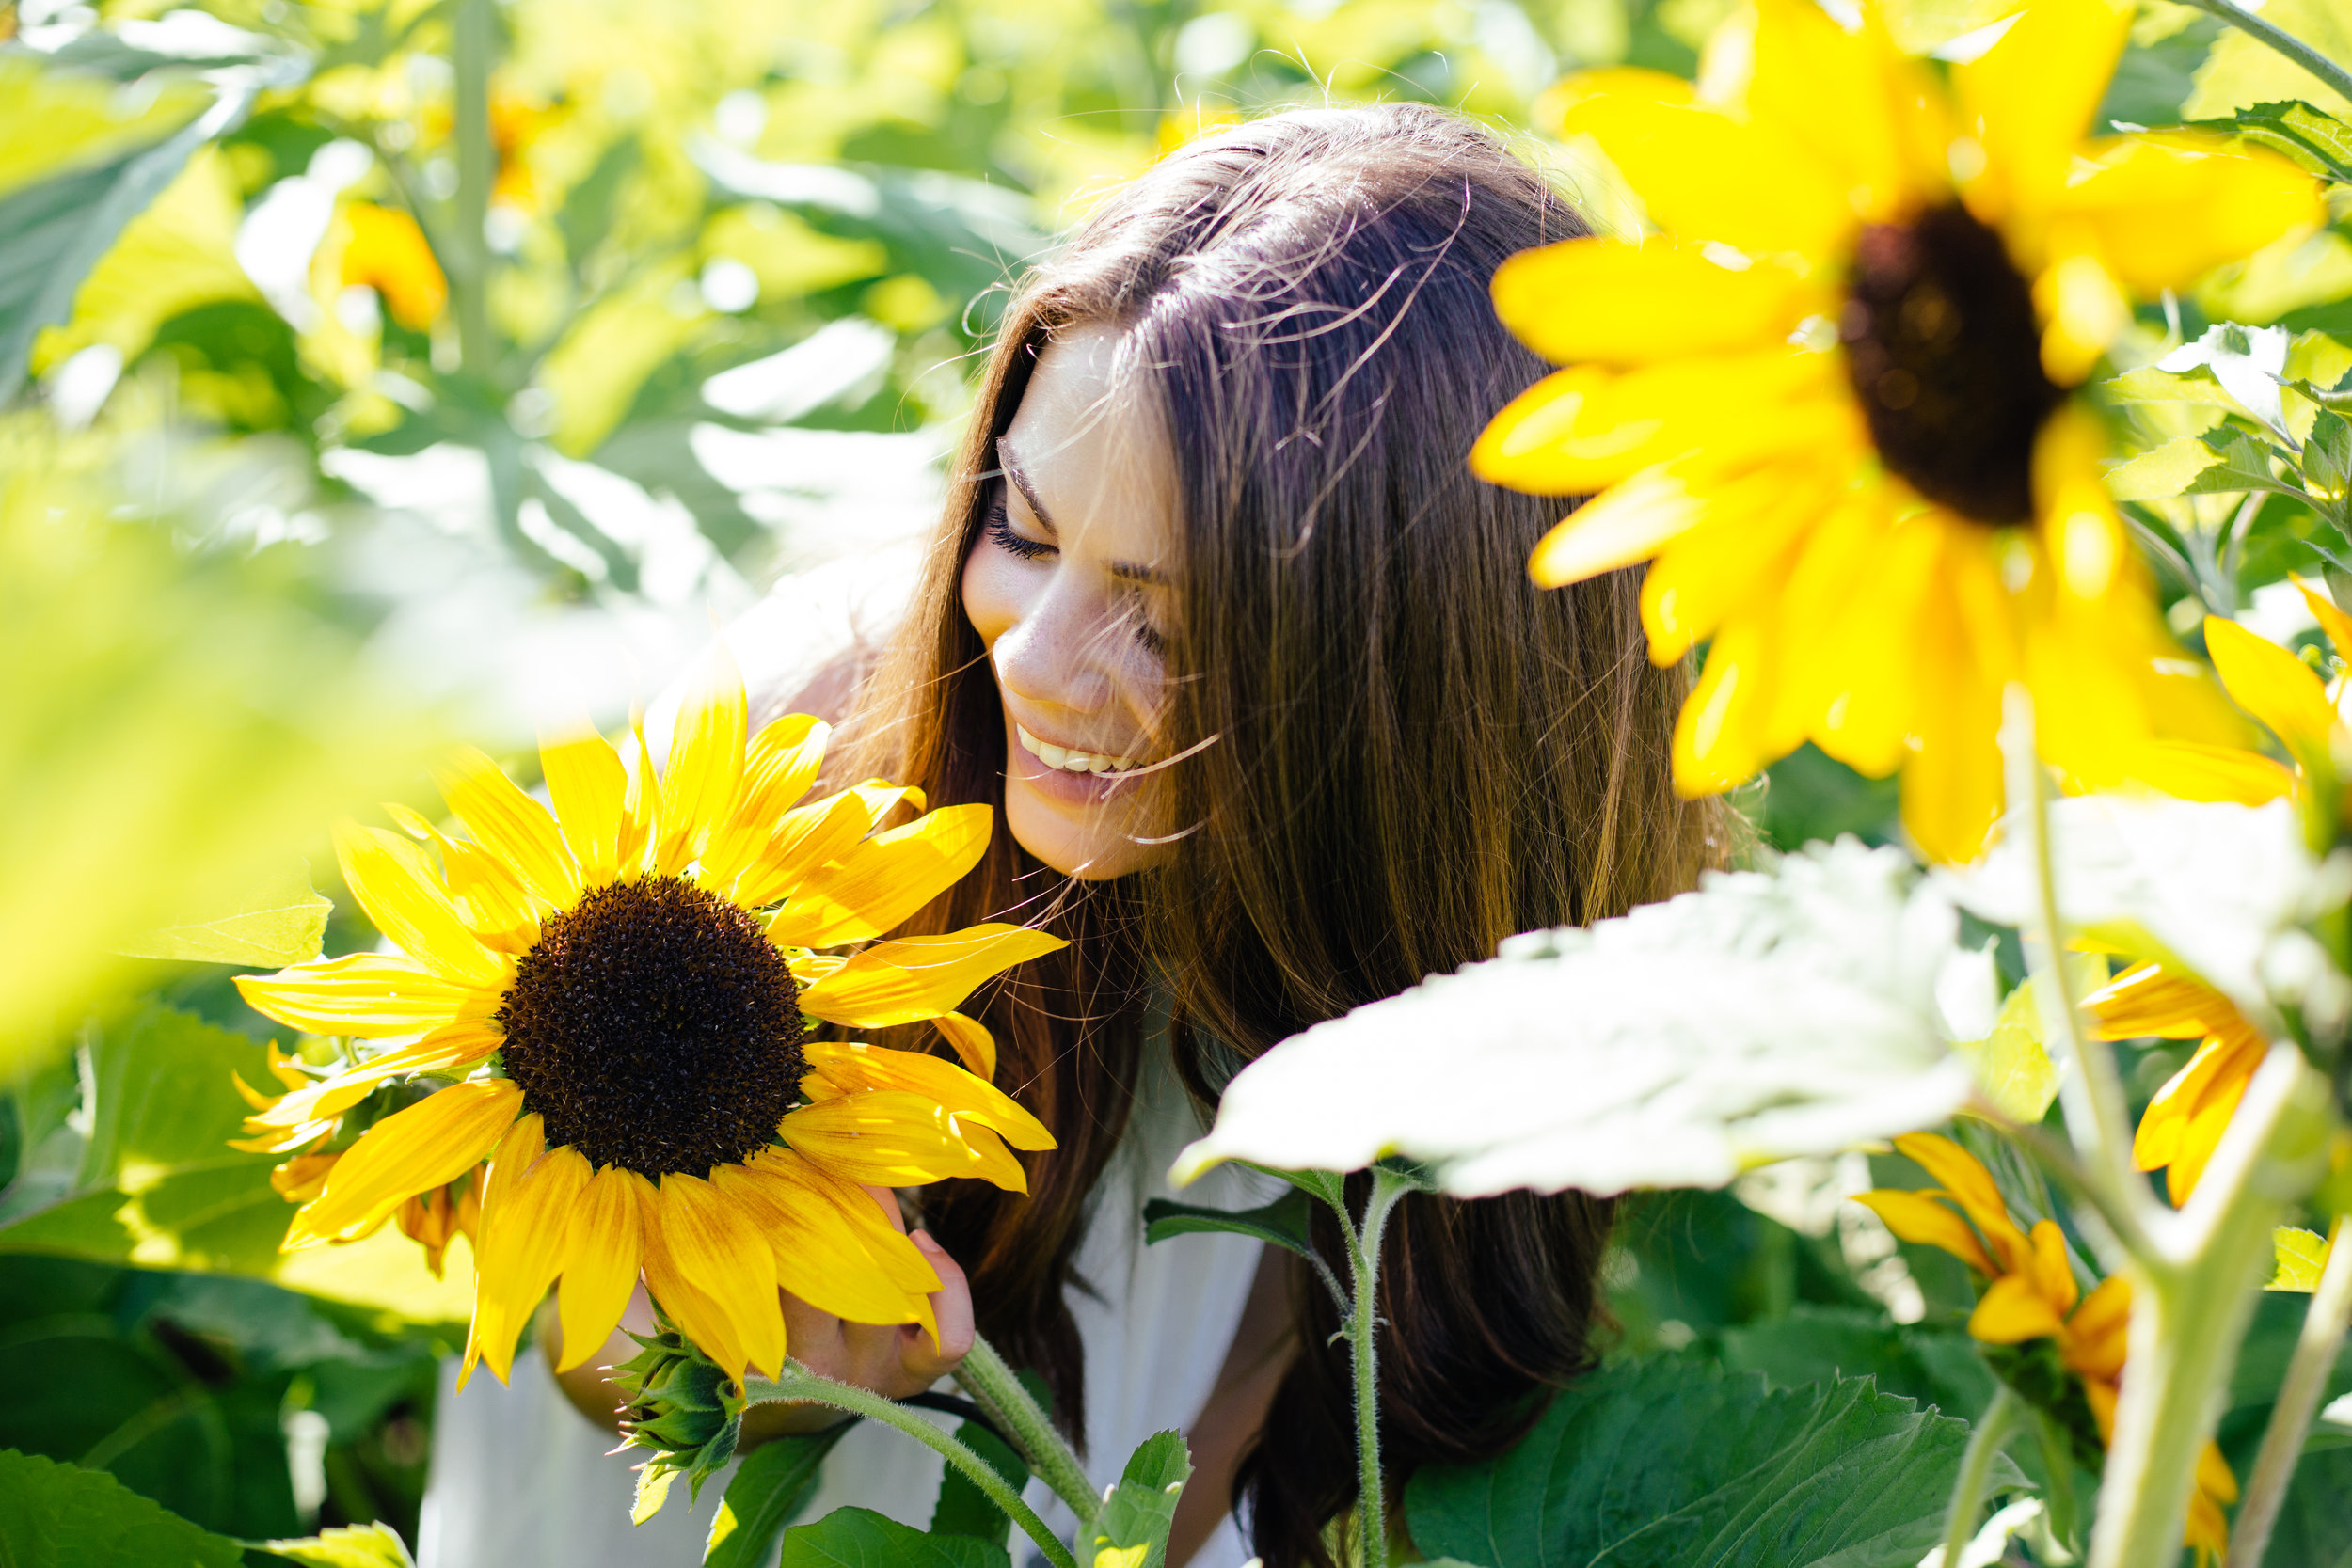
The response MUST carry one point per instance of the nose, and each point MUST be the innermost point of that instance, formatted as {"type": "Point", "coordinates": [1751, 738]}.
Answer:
{"type": "Point", "coordinates": [1052, 658]}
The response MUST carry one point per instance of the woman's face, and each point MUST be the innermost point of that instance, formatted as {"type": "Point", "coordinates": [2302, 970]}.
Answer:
{"type": "Point", "coordinates": [1068, 586]}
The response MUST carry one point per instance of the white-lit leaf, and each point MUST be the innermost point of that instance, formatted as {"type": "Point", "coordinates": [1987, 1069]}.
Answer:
{"type": "Point", "coordinates": [279, 921]}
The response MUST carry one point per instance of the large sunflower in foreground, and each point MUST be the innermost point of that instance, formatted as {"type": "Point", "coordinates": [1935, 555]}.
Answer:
{"type": "Point", "coordinates": [623, 988]}
{"type": "Point", "coordinates": [1828, 403]}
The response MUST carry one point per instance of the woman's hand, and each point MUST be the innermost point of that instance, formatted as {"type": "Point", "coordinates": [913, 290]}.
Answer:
{"type": "Point", "coordinates": [892, 1359]}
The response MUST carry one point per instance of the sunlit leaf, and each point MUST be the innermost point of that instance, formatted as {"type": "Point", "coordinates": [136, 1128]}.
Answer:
{"type": "Point", "coordinates": [2171, 469]}
{"type": "Point", "coordinates": [860, 1538]}
{"type": "Point", "coordinates": [278, 921]}
{"type": "Point", "coordinates": [2014, 1071]}
{"type": "Point", "coordinates": [2318, 141]}
{"type": "Point", "coordinates": [374, 1546]}
{"type": "Point", "coordinates": [1131, 1530]}
{"type": "Point", "coordinates": [2302, 1255]}
{"type": "Point", "coordinates": [767, 1492]}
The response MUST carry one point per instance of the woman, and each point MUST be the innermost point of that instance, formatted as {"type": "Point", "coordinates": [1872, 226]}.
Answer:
{"type": "Point", "coordinates": [1278, 726]}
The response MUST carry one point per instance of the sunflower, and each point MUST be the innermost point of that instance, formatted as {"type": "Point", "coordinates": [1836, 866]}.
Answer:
{"type": "Point", "coordinates": [2184, 1123]}
{"type": "Point", "coordinates": [2032, 1296]}
{"type": "Point", "coordinates": [1829, 402]}
{"type": "Point", "coordinates": [2288, 700]}
{"type": "Point", "coordinates": [623, 989]}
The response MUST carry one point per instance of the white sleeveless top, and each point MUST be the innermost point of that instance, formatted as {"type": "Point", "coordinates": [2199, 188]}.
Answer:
{"type": "Point", "coordinates": [521, 1480]}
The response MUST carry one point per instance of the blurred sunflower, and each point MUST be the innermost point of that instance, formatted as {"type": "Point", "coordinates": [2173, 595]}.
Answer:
{"type": "Point", "coordinates": [2032, 1297]}
{"type": "Point", "coordinates": [2291, 701]}
{"type": "Point", "coordinates": [1829, 402]}
{"type": "Point", "coordinates": [388, 253]}
{"type": "Point", "coordinates": [625, 985]}
{"type": "Point", "coordinates": [2184, 1123]}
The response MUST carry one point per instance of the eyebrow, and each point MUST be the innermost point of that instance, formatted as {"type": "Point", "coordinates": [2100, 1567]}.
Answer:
{"type": "Point", "coordinates": [1010, 466]}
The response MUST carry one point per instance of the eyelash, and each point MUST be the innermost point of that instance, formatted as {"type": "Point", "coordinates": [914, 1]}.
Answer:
{"type": "Point", "coordinates": [997, 525]}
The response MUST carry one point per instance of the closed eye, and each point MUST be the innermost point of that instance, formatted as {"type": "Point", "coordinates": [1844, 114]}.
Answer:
{"type": "Point", "coordinates": [997, 525]}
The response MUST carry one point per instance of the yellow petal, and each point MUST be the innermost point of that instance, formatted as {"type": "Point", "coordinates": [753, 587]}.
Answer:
{"type": "Point", "coordinates": [2012, 1312]}
{"type": "Point", "coordinates": [602, 1246]}
{"type": "Point", "coordinates": [705, 760]}
{"type": "Point", "coordinates": [2162, 1001]}
{"type": "Point", "coordinates": [2083, 310]}
{"type": "Point", "coordinates": [2208, 1120]}
{"type": "Point", "coordinates": [493, 904]}
{"type": "Point", "coordinates": [919, 978]}
{"type": "Point", "coordinates": [2053, 1276]}
{"type": "Point", "coordinates": [1705, 176]}
{"type": "Point", "coordinates": [452, 1046]}
{"type": "Point", "coordinates": [2099, 1333]}
{"type": "Point", "coordinates": [819, 1257]}
{"type": "Point", "coordinates": [395, 885]}
{"type": "Point", "coordinates": [1719, 739]}
{"type": "Point", "coordinates": [1917, 1217]}
{"type": "Point", "coordinates": [881, 881]}
{"type": "Point", "coordinates": [1727, 564]}
{"type": "Point", "coordinates": [710, 1269]}
{"type": "Point", "coordinates": [1624, 524]}
{"type": "Point", "coordinates": [589, 786]}
{"type": "Point", "coordinates": [2190, 771]}
{"type": "Point", "coordinates": [519, 1258]}
{"type": "Point", "coordinates": [996, 1163]}
{"type": "Point", "coordinates": [641, 805]}
{"type": "Point", "coordinates": [887, 1137]}
{"type": "Point", "coordinates": [366, 994]}
{"type": "Point", "coordinates": [2028, 99]}
{"type": "Point", "coordinates": [1851, 100]}
{"type": "Point", "coordinates": [2332, 619]}
{"type": "Point", "coordinates": [901, 1263]}
{"type": "Point", "coordinates": [1951, 788]}
{"type": "Point", "coordinates": [973, 1044]}
{"type": "Point", "coordinates": [808, 836]}
{"type": "Point", "coordinates": [435, 1141]}
{"type": "Point", "coordinates": [1859, 590]}
{"type": "Point", "coordinates": [2275, 687]}
{"type": "Point", "coordinates": [1602, 301]}
{"type": "Point", "coordinates": [511, 826]}
{"type": "Point", "coordinates": [2164, 210]}
{"type": "Point", "coordinates": [517, 1152]}
{"type": "Point", "coordinates": [1588, 427]}
{"type": "Point", "coordinates": [1958, 1172]}
{"type": "Point", "coordinates": [969, 1099]}
{"type": "Point", "coordinates": [780, 764]}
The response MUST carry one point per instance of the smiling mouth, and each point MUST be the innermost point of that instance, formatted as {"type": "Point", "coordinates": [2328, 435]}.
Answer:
{"type": "Point", "coordinates": [1070, 761]}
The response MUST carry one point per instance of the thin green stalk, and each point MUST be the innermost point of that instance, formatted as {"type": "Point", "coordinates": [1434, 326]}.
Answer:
{"type": "Point", "coordinates": [2283, 41]}
{"type": "Point", "coordinates": [2315, 1351]}
{"type": "Point", "coordinates": [1975, 1468]}
{"type": "Point", "coordinates": [2188, 1314]}
{"type": "Point", "coordinates": [2058, 1462]}
{"type": "Point", "coordinates": [1372, 1509]}
{"type": "Point", "coordinates": [473, 42]}
{"type": "Point", "coordinates": [998, 1392]}
{"type": "Point", "coordinates": [798, 1383]}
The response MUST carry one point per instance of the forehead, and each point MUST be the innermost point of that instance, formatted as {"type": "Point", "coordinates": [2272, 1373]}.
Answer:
{"type": "Point", "coordinates": [1091, 440]}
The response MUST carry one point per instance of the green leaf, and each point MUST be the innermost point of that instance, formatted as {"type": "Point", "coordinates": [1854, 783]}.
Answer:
{"type": "Point", "coordinates": [768, 1490]}
{"type": "Point", "coordinates": [2317, 141]}
{"type": "Point", "coordinates": [2245, 465]}
{"type": "Point", "coordinates": [1327, 1186]}
{"type": "Point", "coordinates": [1141, 1510]}
{"type": "Point", "coordinates": [2014, 1066]}
{"type": "Point", "coordinates": [56, 1515]}
{"type": "Point", "coordinates": [375, 1545]}
{"type": "Point", "coordinates": [962, 1508]}
{"type": "Point", "coordinates": [51, 233]}
{"type": "Point", "coordinates": [587, 215]}
{"type": "Point", "coordinates": [1283, 1223]}
{"type": "Point", "coordinates": [860, 1538]}
{"type": "Point", "coordinates": [2327, 456]}
{"type": "Point", "coordinates": [277, 923]}
{"type": "Point", "coordinates": [1673, 1464]}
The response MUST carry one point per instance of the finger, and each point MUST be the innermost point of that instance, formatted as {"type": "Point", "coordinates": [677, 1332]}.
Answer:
{"type": "Point", "coordinates": [951, 1306]}
{"type": "Point", "coordinates": [814, 1337]}
{"type": "Point", "coordinates": [889, 1201]}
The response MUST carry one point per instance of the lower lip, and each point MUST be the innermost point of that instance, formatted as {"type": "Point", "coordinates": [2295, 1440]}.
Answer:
{"type": "Point", "coordinates": [1059, 783]}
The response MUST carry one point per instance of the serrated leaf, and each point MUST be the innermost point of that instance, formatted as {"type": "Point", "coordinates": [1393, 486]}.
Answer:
{"type": "Point", "coordinates": [860, 1538]}
{"type": "Point", "coordinates": [2245, 465]}
{"type": "Point", "coordinates": [56, 1515]}
{"type": "Point", "coordinates": [2315, 140]}
{"type": "Point", "coordinates": [1283, 1223]}
{"type": "Point", "coordinates": [962, 1508]}
{"type": "Point", "coordinates": [1676, 1463]}
{"type": "Point", "coordinates": [280, 921]}
{"type": "Point", "coordinates": [2301, 1257]}
{"type": "Point", "coordinates": [375, 1545]}
{"type": "Point", "coordinates": [1132, 1531]}
{"type": "Point", "coordinates": [768, 1491]}
{"type": "Point", "coordinates": [2168, 470]}
{"type": "Point", "coordinates": [2154, 384]}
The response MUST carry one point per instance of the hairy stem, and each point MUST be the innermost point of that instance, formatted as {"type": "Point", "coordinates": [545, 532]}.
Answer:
{"type": "Point", "coordinates": [997, 1391]}
{"type": "Point", "coordinates": [2283, 41]}
{"type": "Point", "coordinates": [1372, 1508]}
{"type": "Point", "coordinates": [798, 1383]}
{"type": "Point", "coordinates": [1975, 1468]}
{"type": "Point", "coordinates": [2315, 1351]}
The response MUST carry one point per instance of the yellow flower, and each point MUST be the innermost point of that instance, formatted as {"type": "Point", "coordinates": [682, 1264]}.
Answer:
{"type": "Point", "coordinates": [623, 986]}
{"type": "Point", "coordinates": [388, 252]}
{"type": "Point", "coordinates": [2032, 1294]}
{"type": "Point", "coordinates": [2185, 1122]}
{"type": "Point", "coordinates": [1828, 403]}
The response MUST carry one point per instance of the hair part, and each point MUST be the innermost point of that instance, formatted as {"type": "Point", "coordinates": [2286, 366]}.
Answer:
{"type": "Point", "coordinates": [1416, 752]}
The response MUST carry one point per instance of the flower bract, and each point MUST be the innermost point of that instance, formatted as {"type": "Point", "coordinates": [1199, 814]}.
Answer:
{"type": "Point", "coordinates": [1829, 402]}
{"type": "Point", "coordinates": [623, 988]}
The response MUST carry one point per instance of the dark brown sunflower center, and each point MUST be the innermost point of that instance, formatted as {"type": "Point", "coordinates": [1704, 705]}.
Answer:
{"type": "Point", "coordinates": [654, 1026]}
{"type": "Point", "coordinates": [1946, 357]}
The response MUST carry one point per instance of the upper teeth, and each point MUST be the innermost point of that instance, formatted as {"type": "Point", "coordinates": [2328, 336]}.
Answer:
{"type": "Point", "coordinates": [1070, 761]}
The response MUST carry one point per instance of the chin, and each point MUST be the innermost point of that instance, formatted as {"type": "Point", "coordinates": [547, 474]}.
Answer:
{"type": "Point", "coordinates": [1090, 851]}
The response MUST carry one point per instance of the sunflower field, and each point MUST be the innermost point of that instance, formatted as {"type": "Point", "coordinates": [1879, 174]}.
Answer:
{"type": "Point", "coordinates": [394, 393]}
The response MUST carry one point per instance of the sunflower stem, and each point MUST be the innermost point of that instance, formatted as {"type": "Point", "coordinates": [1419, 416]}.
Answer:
{"type": "Point", "coordinates": [1975, 1468]}
{"type": "Point", "coordinates": [1363, 1258]}
{"type": "Point", "coordinates": [798, 1383]}
{"type": "Point", "coordinates": [2098, 1117]}
{"type": "Point", "coordinates": [2283, 41]}
{"type": "Point", "coordinates": [473, 40]}
{"type": "Point", "coordinates": [996, 1390]}
{"type": "Point", "coordinates": [2189, 1311]}
{"type": "Point", "coordinates": [2315, 1351]}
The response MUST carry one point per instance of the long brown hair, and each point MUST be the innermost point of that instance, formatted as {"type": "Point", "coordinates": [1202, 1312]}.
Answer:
{"type": "Point", "coordinates": [1417, 752]}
